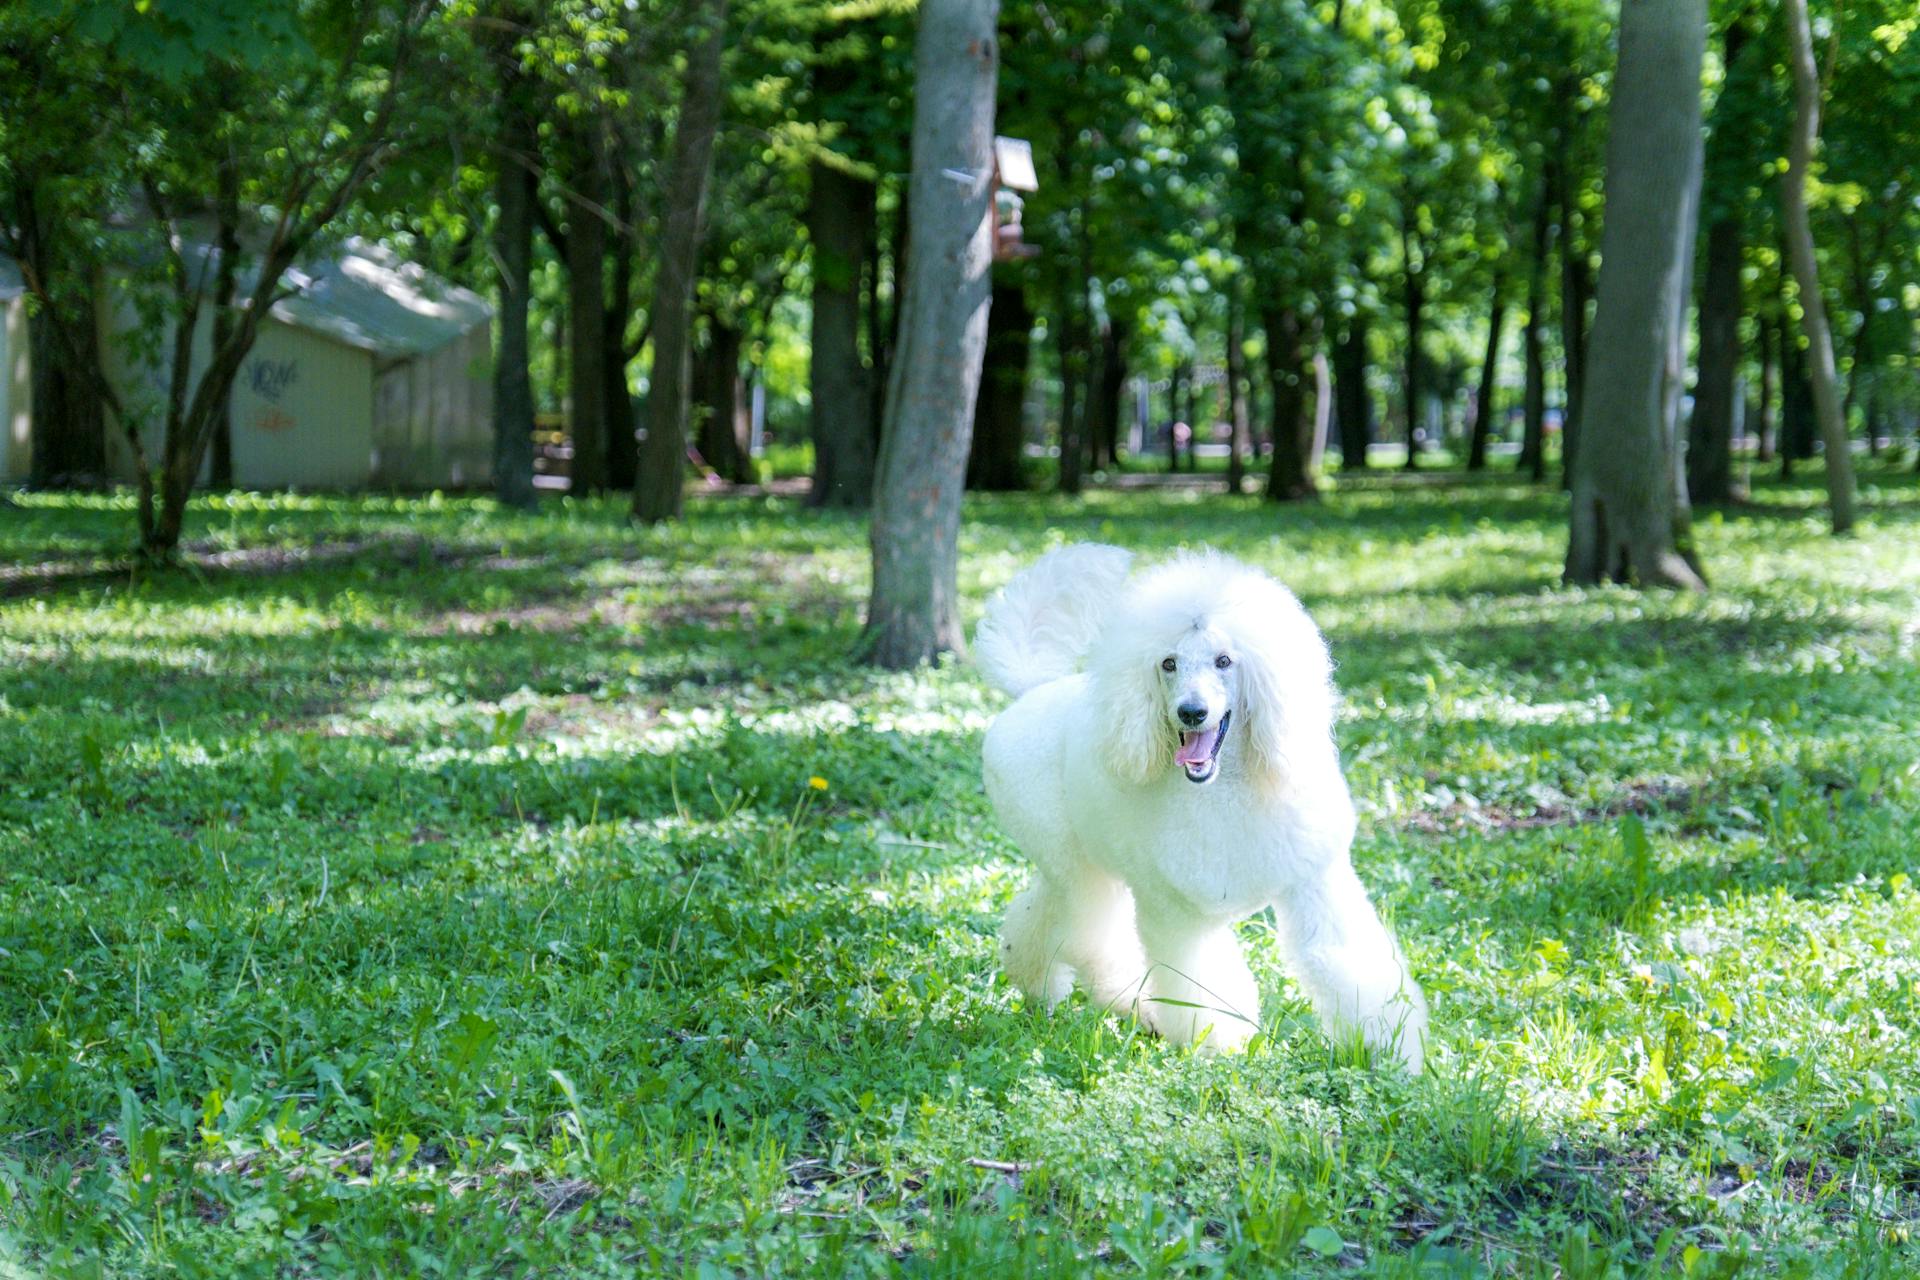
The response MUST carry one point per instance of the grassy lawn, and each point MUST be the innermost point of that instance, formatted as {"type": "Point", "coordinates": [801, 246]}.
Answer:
{"type": "Point", "coordinates": [457, 899]}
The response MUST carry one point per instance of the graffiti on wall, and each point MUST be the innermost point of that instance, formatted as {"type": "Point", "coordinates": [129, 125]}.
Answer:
{"type": "Point", "coordinates": [269, 380]}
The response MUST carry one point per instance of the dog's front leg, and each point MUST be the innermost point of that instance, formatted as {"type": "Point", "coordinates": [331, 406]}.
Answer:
{"type": "Point", "coordinates": [1199, 988]}
{"type": "Point", "coordinates": [1352, 969]}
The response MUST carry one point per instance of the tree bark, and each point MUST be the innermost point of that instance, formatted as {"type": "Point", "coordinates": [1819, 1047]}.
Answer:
{"type": "Point", "coordinates": [717, 385]}
{"type": "Point", "coordinates": [69, 418]}
{"type": "Point", "coordinates": [840, 215]}
{"type": "Point", "coordinates": [1769, 370]}
{"type": "Point", "coordinates": [1806, 269]}
{"type": "Point", "coordinates": [1533, 440]}
{"type": "Point", "coordinates": [1710, 433]}
{"type": "Point", "coordinates": [1108, 391]}
{"type": "Point", "coordinates": [1070, 345]}
{"type": "Point", "coordinates": [514, 191]}
{"type": "Point", "coordinates": [1289, 478]}
{"type": "Point", "coordinates": [1576, 283]}
{"type": "Point", "coordinates": [995, 461]}
{"type": "Point", "coordinates": [586, 257]}
{"type": "Point", "coordinates": [1237, 417]}
{"type": "Point", "coordinates": [914, 613]}
{"type": "Point", "coordinates": [1630, 520]}
{"type": "Point", "coordinates": [658, 487]}
{"type": "Point", "coordinates": [1483, 406]}
{"type": "Point", "coordinates": [226, 204]}
{"type": "Point", "coordinates": [1797, 428]}
{"type": "Point", "coordinates": [1353, 410]}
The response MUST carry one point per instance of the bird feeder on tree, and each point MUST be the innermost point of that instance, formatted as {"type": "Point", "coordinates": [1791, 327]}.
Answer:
{"type": "Point", "coordinates": [1012, 174]}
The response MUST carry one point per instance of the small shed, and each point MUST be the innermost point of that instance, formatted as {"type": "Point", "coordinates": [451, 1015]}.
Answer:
{"type": "Point", "coordinates": [372, 372]}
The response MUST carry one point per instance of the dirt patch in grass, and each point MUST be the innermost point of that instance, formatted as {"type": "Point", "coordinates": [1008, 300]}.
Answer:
{"type": "Point", "coordinates": [1641, 797]}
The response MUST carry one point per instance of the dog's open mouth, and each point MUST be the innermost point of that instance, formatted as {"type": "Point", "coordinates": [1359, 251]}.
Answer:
{"type": "Point", "coordinates": [1199, 753]}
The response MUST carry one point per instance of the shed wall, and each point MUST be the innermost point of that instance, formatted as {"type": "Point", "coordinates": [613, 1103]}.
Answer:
{"type": "Point", "coordinates": [16, 393]}
{"type": "Point", "coordinates": [302, 412]}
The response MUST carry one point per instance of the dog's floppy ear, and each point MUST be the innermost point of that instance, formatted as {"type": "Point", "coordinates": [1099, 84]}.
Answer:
{"type": "Point", "coordinates": [1136, 741]}
{"type": "Point", "coordinates": [1286, 677]}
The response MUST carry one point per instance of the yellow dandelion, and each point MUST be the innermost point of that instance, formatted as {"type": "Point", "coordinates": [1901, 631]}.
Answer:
{"type": "Point", "coordinates": [817, 782]}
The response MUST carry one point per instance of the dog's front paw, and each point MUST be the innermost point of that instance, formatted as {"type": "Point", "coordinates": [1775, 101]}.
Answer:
{"type": "Point", "coordinates": [1207, 1030]}
{"type": "Point", "coordinates": [1227, 1035]}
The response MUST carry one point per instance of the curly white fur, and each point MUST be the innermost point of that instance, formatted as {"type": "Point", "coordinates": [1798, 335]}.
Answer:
{"type": "Point", "coordinates": [1147, 849]}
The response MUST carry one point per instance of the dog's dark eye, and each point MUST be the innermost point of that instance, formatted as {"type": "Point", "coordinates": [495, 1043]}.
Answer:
{"type": "Point", "coordinates": [1223, 662]}
{"type": "Point", "coordinates": [1167, 664]}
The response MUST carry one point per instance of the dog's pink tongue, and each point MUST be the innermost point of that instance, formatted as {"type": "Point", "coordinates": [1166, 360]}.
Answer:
{"type": "Point", "coordinates": [1197, 748]}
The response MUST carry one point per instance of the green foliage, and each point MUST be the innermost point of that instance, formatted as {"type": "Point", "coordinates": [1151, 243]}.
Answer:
{"type": "Point", "coordinates": [427, 890]}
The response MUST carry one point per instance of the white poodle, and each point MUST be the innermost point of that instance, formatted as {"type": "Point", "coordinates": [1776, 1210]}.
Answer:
{"type": "Point", "coordinates": [1169, 769]}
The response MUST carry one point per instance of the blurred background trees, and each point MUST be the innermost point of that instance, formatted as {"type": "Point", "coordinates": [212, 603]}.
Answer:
{"type": "Point", "coordinates": [1275, 238]}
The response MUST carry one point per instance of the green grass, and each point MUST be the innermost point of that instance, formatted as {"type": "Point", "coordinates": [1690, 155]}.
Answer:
{"type": "Point", "coordinates": [456, 901]}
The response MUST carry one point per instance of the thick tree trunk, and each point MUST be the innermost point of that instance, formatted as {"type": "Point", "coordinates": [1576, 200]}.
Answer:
{"type": "Point", "coordinates": [586, 257]}
{"type": "Point", "coordinates": [1806, 269]}
{"type": "Point", "coordinates": [658, 488]}
{"type": "Point", "coordinates": [1710, 433]}
{"type": "Point", "coordinates": [1353, 410]}
{"type": "Point", "coordinates": [69, 421]}
{"type": "Point", "coordinates": [840, 215]}
{"type": "Point", "coordinates": [717, 386]}
{"type": "Point", "coordinates": [995, 460]}
{"type": "Point", "coordinates": [1630, 520]}
{"type": "Point", "coordinates": [1236, 393]}
{"type": "Point", "coordinates": [514, 191]}
{"type": "Point", "coordinates": [915, 609]}
{"type": "Point", "coordinates": [1483, 405]}
{"type": "Point", "coordinates": [1576, 285]}
{"type": "Point", "coordinates": [1290, 477]}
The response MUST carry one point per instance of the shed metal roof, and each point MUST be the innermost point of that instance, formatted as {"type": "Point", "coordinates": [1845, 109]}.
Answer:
{"type": "Point", "coordinates": [361, 294]}
{"type": "Point", "coordinates": [368, 297]}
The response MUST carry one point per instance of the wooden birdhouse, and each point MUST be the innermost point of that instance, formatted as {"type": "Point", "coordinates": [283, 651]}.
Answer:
{"type": "Point", "coordinates": [1012, 174]}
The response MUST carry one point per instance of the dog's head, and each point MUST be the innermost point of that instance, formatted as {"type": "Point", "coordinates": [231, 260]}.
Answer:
{"type": "Point", "coordinates": [1214, 668]}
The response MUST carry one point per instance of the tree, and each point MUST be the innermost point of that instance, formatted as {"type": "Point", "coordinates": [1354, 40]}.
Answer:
{"type": "Point", "coordinates": [1630, 519]}
{"type": "Point", "coordinates": [515, 191]}
{"type": "Point", "coordinates": [994, 460]}
{"type": "Point", "coordinates": [839, 223]}
{"type": "Point", "coordinates": [1806, 269]}
{"type": "Point", "coordinates": [914, 611]}
{"type": "Point", "coordinates": [657, 488]}
{"type": "Point", "coordinates": [1710, 431]}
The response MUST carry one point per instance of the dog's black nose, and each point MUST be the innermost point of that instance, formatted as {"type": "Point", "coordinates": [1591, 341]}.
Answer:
{"type": "Point", "coordinates": [1192, 713]}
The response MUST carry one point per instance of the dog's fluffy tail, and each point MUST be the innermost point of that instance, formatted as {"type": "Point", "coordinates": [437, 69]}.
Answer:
{"type": "Point", "coordinates": [1040, 627]}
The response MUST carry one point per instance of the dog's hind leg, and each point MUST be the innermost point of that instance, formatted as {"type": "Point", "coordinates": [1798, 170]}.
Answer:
{"type": "Point", "coordinates": [1352, 969]}
{"type": "Point", "coordinates": [1068, 924]}
{"type": "Point", "coordinates": [1032, 939]}
{"type": "Point", "coordinates": [1101, 941]}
